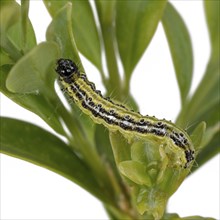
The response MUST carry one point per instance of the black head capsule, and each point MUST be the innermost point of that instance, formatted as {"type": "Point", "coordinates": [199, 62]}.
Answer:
{"type": "Point", "coordinates": [66, 68]}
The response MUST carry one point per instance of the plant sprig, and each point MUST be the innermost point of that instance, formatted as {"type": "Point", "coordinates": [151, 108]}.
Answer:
{"type": "Point", "coordinates": [124, 32]}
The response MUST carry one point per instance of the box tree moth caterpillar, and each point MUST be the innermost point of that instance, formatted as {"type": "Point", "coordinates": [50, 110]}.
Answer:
{"type": "Point", "coordinates": [115, 116]}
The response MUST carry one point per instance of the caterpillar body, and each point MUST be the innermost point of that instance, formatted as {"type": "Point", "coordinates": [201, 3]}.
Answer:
{"type": "Point", "coordinates": [117, 117]}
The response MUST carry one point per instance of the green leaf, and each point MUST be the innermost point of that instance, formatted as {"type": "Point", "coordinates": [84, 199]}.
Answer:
{"type": "Point", "coordinates": [32, 85]}
{"type": "Point", "coordinates": [210, 133]}
{"type": "Point", "coordinates": [131, 103]}
{"type": "Point", "coordinates": [60, 31]}
{"type": "Point", "coordinates": [5, 58]}
{"type": "Point", "coordinates": [31, 143]}
{"type": "Point", "coordinates": [212, 17]}
{"type": "Point", "coordinates": [9, 15]}
{"type": "Point", "coordinates": [84, 27]}
{"type": "Point", "coordinates": [116, 214]}
{"type": "Point", "coordinates": [136, 23]}
{"type": "Point", "coordinates": [24, 24]}
{"type": "Point", "coordinates": [84, 124]}
{"type": "Point", "coordinates": [135, 171]}
{"type": "Point", "coordinates": [17, 34]}
{"type": "Point", "coordinates": [33, 72]}
{"type": "Point", "coordinates": [208, 151]}
{"type": "Point", "coordinates": [204, 100]}
{"type": "Point", "coordinates": [145, 152]}
{"type": "Point", "coordinates": [180, 48]}
{"type": "Point", "coordinates": [106, 15]}
{"type": "Point", "coordinates": [120, 147]}
{"type": "Point", "coordinates": [210, 145]}
{"type": "Point", "coordinates": [103, 144]}
{"type": "Point", "coordinates": [174, 216]}
{"type": "Point", "coordinates": [39, 104]}
{"type": "Point", "coordinates": [196, 218]}
{"type": "Point", "coordinates": [211, 140]}
{"type": "Point", "coordinates": [104, 149]}
{"type": "Point", "coordinates": [149, 171]}
{"type": "Point", "coordinates": [198, 135]}
{"type": "Point", "coordinates": [106, 11]}
{"type": "Point", "coordinates": [9, 12]}
{"type": "Point", "coordinates": [204, 104]}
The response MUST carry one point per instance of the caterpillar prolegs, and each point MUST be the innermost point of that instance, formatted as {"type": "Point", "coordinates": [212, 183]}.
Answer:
{"type": "Point", "coordinates": [117, 117]}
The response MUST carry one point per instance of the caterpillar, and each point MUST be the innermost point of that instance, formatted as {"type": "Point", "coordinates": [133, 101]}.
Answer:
{"type": "Point", "coordinates": [115, 116]}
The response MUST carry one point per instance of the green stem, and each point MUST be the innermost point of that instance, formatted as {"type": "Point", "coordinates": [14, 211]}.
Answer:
{"type": "Point", "coordinates": [106, 14]}
{"type": "Point", "coordinates": [79, 143]}
{"type": "Point", "coordinates": [103, 77]}
{"type": "Point", "coordinates": [114, 79]}
{"type": "Point", "coordinates": [77, 138]}
{"type": "Point", "coordinates": [126, 85]}
{"type": "Point", "coordinates": [116, 214]}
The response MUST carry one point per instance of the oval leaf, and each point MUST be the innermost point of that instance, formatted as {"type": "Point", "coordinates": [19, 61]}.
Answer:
{"type": "Point", "coordinates": [136, 23]}
{"type": "Point", "coordinates": [31, 143]}
{"type": "Point", "coordinates": [84, 28]}
{"type": "Point", "coordinates": [16, 38]}
{"type": "Point", "coordinates": [180, 48]}
{"type": "Point", "coordinates": [39, 104]}
{"type": "Point", "coordinates": [136, 172]}
{"type": "Point", "coordinates": [31, 73]}
{"type": "Point", "coordinates": [197, 135]}
{"type": "Point", "coordinates": [9, 15]}
{"type": "Point", "coordinates": [60, 31]}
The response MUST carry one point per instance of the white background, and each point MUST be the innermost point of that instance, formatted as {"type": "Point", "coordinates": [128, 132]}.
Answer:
{"type": "Point", "coordinates": [32, 192]}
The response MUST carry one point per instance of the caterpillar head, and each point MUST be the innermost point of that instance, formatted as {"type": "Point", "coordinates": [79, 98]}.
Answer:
{"type": "Point", "coordinates": [66, 68]}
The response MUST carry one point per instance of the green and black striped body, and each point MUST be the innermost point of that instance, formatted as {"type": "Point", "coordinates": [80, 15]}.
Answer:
{"type": "Point", "coordinates": [117, 117]}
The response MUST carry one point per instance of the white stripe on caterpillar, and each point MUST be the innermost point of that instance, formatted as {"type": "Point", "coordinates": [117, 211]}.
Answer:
{"type": "Point", "coordinates": [117, 117]}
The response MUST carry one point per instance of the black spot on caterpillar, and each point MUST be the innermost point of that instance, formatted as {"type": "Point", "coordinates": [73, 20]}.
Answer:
{"type": "Point", "coordinates": [115, 116]}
